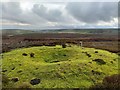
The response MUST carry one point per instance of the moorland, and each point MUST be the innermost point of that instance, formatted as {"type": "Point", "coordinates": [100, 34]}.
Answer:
{"type": "Point", "coordinates": [56, 59]}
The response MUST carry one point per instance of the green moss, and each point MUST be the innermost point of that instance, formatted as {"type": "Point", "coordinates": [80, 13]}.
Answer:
{"type": "Point", "coordinates": [59, 67]}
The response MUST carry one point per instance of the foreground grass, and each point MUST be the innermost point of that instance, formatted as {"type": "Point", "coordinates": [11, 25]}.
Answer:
{"type": "Point", "coordinates": [58, 67]}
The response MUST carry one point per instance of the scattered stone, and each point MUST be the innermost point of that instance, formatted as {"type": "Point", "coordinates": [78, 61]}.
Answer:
{"type": "Point", "coordinates": [64, 55]}
{"type": "Point", "coordinates": [96, 51]}
{"type": "Point", "coordinates": [111, 62]}
{"type": "Point", "coordinates": [89, 62]}
{"type": "Point", "coordinates": [114, 59]}
{"type": "Point", "coordinates": [100, 61]}
{"type": "Point", "coordinates": [36, 68]}
{"type": "Point", "coordinates": [4, 70]}
{"type": "Point", "coordinates": [32, 54]}
{"type": "Point", "coordinates": [15, 79]}
{"type": "Point", "coordinates": [19, 71]}
{"type": "Point", "coordinates": [87, 54]}
{"type": "Point", "coordinates": [35, 81]}
{"type": "Point", "coordinates": [13, 68]}
{"type": "Point", "coordinates": [24, 54]}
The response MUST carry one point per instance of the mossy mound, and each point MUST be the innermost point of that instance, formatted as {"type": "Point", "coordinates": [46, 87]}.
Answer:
{"type": "Point", "coordinates": [58, 67]}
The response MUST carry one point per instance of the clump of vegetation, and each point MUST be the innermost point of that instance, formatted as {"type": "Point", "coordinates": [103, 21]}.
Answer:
{"type": "Point", "coordinates": [112, 82]}
{"type": "Point", "coordinates": [60, 75]}
{"type": "Point", "coordinates": [25, 86]}
{"type": "Point", "coordinates": [96, 72]}
{"type": "Point", "coordinates": [64, 45]}
{"type": "Point", "coordinates": [6, 82]}
{"type": "Point", "coordinates": [5, 79]}
{"type": "Point", "coordinates": [109, 83]}
{"type": "Point", "coordinates": [97, 86]}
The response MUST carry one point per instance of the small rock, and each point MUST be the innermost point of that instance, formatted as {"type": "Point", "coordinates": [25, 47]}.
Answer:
{"type": "Point", "coordinates": [13, 68]}
{"type": "Point", "coordinates": [24, 54]}
{"type": "Point", "coordinates": [19, 71]}
{"type": "Point", "coordinates": [64, 55]}
{"type": "Point", "coordinates": [96, 51]}
{"type": "Point", "coordinates": [36, 68]}
{"type": "Point", "coordinates": [35, 81]}
{"type": "Point", "coordinates": [32, 54]}
{"type": "Point", "coordinates": [114, 59]}
{"type": "Point", "coordinates": [100, 61]}
{"type": "Point", "coordinates": [15, 79]}
{"type": "Point", "coordinates": [88, 55]}
{"type": "Point", "coordinates": [89, 62]}
{"type": "Point", "coordinates": [4, 70]}
{"type": "Point", "coordinates": [111, 62]}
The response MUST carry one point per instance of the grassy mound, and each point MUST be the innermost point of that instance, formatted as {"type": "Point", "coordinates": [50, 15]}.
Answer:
{"type": "Point", "coordinates": [57, 67]}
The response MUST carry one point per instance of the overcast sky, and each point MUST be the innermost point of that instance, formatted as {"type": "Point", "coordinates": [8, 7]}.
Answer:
{"type": "Point", "coordinates": [49, 15]}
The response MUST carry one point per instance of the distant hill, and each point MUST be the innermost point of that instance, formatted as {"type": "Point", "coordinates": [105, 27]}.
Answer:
{"type": "Point", "coordinates": [81, 31]}
{"type": "Point", "coordinates": [16, 31]}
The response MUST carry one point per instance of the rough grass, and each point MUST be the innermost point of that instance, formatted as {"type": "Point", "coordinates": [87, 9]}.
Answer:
{"type": "Point", "coordinates": [59, 67]}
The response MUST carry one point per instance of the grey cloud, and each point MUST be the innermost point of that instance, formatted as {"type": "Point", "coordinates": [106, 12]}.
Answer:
{"type": "Point", "coordinates": [52, 15]}
{"type": "Point", "coordinates": [93, 12]}
{"type": "Point", "coordinates": [119, 9]}
{"type": "Point", "coordinates": [11, 8]}
{"type": "Point", "coordinates": [12, 11]}
{"type": "Point", "coordinates": [73, 14]}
